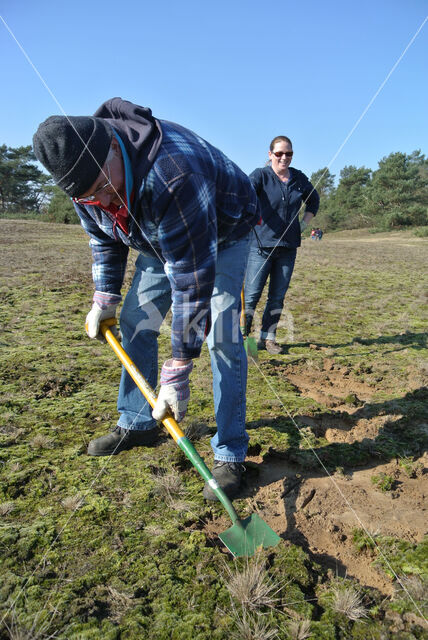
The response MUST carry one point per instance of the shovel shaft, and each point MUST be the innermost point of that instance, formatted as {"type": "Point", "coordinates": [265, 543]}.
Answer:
{"type": "Point", "coordinates": [169, 423]}
{"type": "Point", "coordinates": [243, 320]}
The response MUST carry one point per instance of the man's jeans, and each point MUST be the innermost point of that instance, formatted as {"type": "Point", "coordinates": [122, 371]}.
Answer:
{"type": "Point", "coordinates": [279, 266]}
{"type": "Point", "coordinates": [143, 311]}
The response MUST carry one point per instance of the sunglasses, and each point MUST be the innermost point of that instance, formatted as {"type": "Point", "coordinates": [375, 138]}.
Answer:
{"type": "Point", "coordinates": [279, 154]}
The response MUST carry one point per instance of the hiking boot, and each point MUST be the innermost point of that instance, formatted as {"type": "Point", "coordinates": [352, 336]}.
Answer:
{"type": "Point", "coordinates": [271, 346]}
{"type": "Point", "coordinates": [120, 439]}
{"type": "Point", "coordinates": [228, 476]}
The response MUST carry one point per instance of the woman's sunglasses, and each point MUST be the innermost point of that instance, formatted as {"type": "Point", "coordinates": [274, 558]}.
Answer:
{"type": "Point", "coordinates": [287, 154]}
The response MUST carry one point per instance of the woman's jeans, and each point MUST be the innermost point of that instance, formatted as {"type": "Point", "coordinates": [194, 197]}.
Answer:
{"type": "Point", "coordinates": [277, 263]}
{"type": "Point", "coordinates": [143, 311]}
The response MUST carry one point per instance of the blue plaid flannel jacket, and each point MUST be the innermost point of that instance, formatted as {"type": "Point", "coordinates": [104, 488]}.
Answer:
{"type": "Point", "coordinates": [193, 200]}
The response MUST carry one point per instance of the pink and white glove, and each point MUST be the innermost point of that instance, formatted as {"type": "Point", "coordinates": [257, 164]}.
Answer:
{"type": "Point", "coordinates": [103, 307]}
{"type": "Point", "coordinates": [174, 393]}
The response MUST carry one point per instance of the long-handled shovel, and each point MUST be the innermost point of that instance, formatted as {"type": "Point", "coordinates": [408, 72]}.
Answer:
{"type": "Point", "coordinates": [244, 537]}
{"type": "Point", "coordinates": [249, 343]}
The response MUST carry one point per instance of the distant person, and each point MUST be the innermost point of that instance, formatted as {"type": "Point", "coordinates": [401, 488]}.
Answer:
{"type": "Point", "coordinates": [314, 234]}
{"type": "Point", "coordinates": [281, 189]}
{"type": "Point", "coordinates": [188, 211]}
{"type": "Point", "coordinates": [320, 234]}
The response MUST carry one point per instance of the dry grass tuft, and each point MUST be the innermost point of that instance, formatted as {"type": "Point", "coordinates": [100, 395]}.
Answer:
{"type": "Point", "coordinates": [154, 530]}
{"type": "Point", "coordinates": [72, 503]}
{"type": "Point", "coordinates": [19, 630]}
{"type": "Point", "coordinates": [348, 601]}
{"type": "Point", "coordinates": [119, 602]}
{"type": "Point", "coordinates": [299, 630]}
{"type": "Point", "coordinates": [251, 586]}
{"type": "Point", "coordinates": [251, 626]}
{"type": "Point", "coordinates": [41, 441]}
{"type": "Point", "coordinates": [168, 484]}
{"type": "Point", "coordinates": [413, 587]}
{"type": "Point", "coordinates": [170, 488]}
{"type": "Point", "coordinates": [6, 508]}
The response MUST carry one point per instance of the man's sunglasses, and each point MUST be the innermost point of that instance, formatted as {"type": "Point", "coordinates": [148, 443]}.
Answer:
{"type": "Point", "coordinates": [279, 154]}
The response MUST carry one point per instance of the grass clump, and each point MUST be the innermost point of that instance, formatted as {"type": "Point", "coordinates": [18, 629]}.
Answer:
{"type": "Point", "coordinates": [299, 629]}
{"type": "Point", "coordinates": [250, 585]}
{"type": "Point", "coordinates": [383, 482]}
{"type": "Point", "coordinates": [250, 626]}
{"type": "Point", "coordinates": [411, 468]}
{"type": "Point", "coordinates": [348, 601]}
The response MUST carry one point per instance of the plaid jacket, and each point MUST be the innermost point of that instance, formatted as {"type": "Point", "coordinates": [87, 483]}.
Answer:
{"type": "Point", "coordinates": [192, 201]}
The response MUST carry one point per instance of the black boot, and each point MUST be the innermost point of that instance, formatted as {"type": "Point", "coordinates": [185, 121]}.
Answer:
{"type": "Point", "coordinates": [120, 439]}
{"type": "Point", "coordinates": [228, 476]}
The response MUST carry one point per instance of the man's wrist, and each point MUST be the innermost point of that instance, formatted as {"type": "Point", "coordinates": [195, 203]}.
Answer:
{"type": "Point", "coordinates": [179, 363]}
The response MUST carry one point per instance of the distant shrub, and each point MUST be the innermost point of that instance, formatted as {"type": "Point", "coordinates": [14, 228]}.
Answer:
{"type": "Point", "coordinates": [61, 209]}
{"type": "Point", "coordinates": [422, 232]}
{"type": "Point", "coordinates": [20, 215]}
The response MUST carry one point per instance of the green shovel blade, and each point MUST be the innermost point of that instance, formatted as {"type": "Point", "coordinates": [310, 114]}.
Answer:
{"type": "Point", "coordinates": [251, 348]}
{"type": "Point", "coordinates": [246, 536]}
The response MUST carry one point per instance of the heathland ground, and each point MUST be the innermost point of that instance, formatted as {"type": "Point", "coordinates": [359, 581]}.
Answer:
{"type": "Point", "coordinates": [127, 548]}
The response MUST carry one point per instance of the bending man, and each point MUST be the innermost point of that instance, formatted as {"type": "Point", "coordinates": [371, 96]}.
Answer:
{"type": "Point", "coordinates": [159, 188]}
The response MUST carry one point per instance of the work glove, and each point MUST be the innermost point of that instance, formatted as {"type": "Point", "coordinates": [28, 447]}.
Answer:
{"type": "Point", "coordinates": [174, 393]}
{"type": "Point", "coordinates": [101, 311]}
{"type": "Point", "coordinates": [303, 225]}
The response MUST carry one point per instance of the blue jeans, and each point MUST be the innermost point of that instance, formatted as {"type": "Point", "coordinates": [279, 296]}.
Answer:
{"type": "Point", "coordinates": [143, 311]}
{"type": "Point", "coordinates": [279, 266]}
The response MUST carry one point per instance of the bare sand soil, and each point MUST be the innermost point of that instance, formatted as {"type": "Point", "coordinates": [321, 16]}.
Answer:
{"type": "Point", "coordinates": [319, 510]}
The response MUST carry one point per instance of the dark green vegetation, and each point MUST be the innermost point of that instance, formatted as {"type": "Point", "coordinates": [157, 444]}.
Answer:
{"type": "Point", "coordinates": [394, 195]}
{"type": "Point", "coordinates": [126, 547]}
{"type": "Point", "coordinates": [22, 184]}
{"type": "Point", "coordinates": [26, 192]}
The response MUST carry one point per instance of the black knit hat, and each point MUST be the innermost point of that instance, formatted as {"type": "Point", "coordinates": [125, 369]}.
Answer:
{"type": "Point", "coordinates": [73, 149]}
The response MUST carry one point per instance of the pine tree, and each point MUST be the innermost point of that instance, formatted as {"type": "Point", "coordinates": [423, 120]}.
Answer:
{"type": "Point", "coordinates": [398, 194]}
{"type": "Point", "coordinates": [347, 205]}
{"type": "Point", "coordinates": [61, 208]}
{"type": "Point", "coordinates": [22, 184]}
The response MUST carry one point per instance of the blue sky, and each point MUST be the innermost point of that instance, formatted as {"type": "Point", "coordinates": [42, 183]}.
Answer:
{"type": "Point", "coordinates": [238, 72]}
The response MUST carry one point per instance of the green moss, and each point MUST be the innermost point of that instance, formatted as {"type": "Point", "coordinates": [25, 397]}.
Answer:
{"type": "Point", "coordinates": [400, 557]}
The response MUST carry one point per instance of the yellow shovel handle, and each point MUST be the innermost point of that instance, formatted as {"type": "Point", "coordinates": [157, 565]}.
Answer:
{"type": "Point", "coordinates": [243, 320]}
{"type": "Point", "coordinates": [169, 423]}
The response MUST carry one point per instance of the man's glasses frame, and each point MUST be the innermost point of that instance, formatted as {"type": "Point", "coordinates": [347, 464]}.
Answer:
{"type": "Point", "coordinates": [104, 187]}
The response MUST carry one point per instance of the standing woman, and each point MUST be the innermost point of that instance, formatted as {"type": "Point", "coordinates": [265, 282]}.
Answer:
{"type": "Point", "coordinates": [281, 189]}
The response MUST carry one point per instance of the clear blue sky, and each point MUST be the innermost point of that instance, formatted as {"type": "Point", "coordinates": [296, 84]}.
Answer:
{"type": "Point", "coordinates": [238, 72]}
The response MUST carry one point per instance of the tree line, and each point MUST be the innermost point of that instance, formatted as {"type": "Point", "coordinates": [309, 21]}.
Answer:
{"type": "Point", "coordinates": [25, 190]}
{"type": "Point", "coordinates": [394, 195]}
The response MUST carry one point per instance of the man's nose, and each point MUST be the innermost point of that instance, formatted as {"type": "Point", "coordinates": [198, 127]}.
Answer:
{"type": "Point", "coordinates": [105, 199]}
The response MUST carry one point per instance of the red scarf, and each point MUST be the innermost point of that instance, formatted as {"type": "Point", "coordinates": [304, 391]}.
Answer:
{"type": "Point", "coordinates": [120, 213]}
